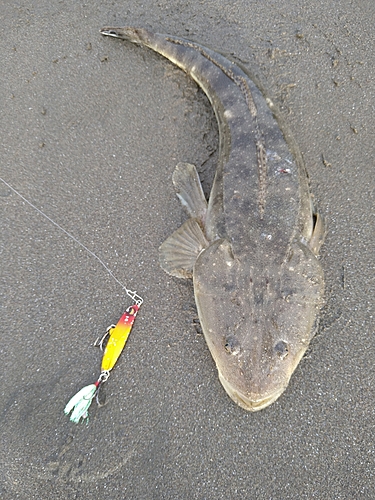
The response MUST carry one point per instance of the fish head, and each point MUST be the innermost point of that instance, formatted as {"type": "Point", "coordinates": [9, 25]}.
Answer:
{"type": "Point", "coordinates": [257, 329]}
{"type": "Point", "coordinates": [256, 376]}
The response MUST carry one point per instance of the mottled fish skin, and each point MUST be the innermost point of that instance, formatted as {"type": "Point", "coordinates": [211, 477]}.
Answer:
{"type": "Point", "coordinates": [252, 252]}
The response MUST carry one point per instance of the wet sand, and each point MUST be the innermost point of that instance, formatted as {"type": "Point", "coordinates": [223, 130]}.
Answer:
{"type": "Point", "coordinates": [91, 130]}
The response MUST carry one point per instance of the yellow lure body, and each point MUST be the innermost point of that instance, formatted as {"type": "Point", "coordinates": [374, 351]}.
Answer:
{"type": "Point", "coordinates": [118, 335]}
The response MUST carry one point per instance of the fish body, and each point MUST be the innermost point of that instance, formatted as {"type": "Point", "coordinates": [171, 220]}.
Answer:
{"type": "Point", "coordinates": [252, 249]}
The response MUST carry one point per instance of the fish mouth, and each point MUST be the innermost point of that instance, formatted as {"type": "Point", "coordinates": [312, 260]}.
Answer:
{"type": "Point", "coordinates": [249, 404]}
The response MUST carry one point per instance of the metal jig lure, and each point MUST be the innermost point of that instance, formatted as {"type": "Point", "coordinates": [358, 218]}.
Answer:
{"type": "Point", "coordinates": [118, 334]}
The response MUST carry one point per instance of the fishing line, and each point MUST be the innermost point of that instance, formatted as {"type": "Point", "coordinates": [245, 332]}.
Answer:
{"type": "Point", "coordinates": [129, 292]}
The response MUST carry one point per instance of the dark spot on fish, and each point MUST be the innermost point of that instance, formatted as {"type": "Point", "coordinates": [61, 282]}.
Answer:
{"type": "Point", "coordinates": [235, 300]}
{"type": "Point", "coordinates": [229, 287]}
{"type": "Point", "coordinates": [258, 298]}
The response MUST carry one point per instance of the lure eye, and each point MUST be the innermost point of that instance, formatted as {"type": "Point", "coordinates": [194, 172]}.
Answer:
{"type": "Point", "coordinates": [282, 349]}
{"type": "Point", "coordinates": [130, 310]}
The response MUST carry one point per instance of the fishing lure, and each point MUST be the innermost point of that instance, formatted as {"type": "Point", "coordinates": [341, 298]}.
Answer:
{"type": "Point", "coordinates": [118, 335]}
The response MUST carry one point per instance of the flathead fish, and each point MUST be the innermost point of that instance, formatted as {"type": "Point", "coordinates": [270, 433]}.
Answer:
{"type": "Point", "coordinates": [252, 249]}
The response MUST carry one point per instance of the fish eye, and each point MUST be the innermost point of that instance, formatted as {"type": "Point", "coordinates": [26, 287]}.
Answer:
{"type": "Point", "coordinates": [232, 345]}
{"type": "Point", "coordinates": [282, 349]}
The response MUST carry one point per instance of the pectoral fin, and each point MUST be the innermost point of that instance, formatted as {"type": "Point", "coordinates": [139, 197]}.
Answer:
{"type": "Point", "coordinates": [178, 253]}
{"type": "Point", "coordinates": [189, 191]}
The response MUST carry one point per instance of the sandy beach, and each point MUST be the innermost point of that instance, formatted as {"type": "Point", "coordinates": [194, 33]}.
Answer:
{"type": "Point", "coordinates": [91, 130]}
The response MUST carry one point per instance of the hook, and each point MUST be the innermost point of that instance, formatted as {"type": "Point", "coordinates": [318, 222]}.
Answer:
{"type": "Point", "coordinates": [100, 344]}
{"type": "Point", "coordinates": [103, 377]}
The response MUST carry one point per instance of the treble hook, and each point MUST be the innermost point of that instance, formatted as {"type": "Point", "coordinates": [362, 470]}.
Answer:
{"type": "Point", "coordinates": [107, 332]}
